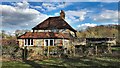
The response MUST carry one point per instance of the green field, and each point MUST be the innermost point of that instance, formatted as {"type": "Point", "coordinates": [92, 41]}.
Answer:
{"type": "Point", "coordinates": [116, 48]}
{"type": "Point", "coordinates": [83, 62]}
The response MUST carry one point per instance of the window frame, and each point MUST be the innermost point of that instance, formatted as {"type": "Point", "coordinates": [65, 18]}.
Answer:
{"type": "Point", "coordinates": [48, 42]}
{"type": "Point", "coordinates": [26, 42]}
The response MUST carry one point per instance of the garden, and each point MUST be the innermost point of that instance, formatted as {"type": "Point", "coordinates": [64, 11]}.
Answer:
{"type": "Point", "coordinates": [12, 58]}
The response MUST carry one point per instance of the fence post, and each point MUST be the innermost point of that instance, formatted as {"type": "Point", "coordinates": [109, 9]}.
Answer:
{"type": "Point", "coordinates": [24, 54]}
{"type": "Point", "coordinates": [109, 48]}
{"type": "Point", "coordinates": [96, 49]}
{"type": "Point", "coordinates": [48, 52]}
{"type": "Point", "coordinates": [74, 50]}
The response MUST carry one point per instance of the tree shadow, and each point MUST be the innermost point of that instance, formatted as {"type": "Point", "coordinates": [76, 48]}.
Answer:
{"type": "Point", "coordinates": [88, 62]}
{"type": "Point", "coordinates": [33, 64]}
{"type": "Point", "coordinates": [75, 62]}
{"type": "Point", "coordinates": [46, 65]}
{"type": "Point", "coordinates": [109, 63]}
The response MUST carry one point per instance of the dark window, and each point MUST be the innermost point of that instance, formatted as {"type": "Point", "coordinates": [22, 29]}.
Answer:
{"type": "Point", "coordinates": [51, 42]}
{"type": "Point", "coordinates": [31, 41]}
{"type": "Point", "coordinates": [46, 41]}
{"type": "Point", "coordinates": [28, 41]}
{"type": "Point", "coordinates": [25, 41]}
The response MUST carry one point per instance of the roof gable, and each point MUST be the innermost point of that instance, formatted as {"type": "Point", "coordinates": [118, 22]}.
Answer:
{"type": "Point", "coordinates": [53, 22]}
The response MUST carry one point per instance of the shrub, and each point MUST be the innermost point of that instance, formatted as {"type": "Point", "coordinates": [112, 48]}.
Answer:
{"type": "Point", "coordinates": [11, 52]}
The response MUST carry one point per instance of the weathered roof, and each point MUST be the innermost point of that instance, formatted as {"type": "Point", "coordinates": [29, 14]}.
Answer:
{"type": "Point", "coordinates": [53, 23]}
{"type": "Point", "coordinates": [44, 35]}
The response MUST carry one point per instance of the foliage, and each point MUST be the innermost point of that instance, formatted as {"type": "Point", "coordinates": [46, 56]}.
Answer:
{"type": "Point", "coordinates": [20, 32]}
{"type": "Point", "coordinates": [5, 35]}
{"type": "Point", "coordinates": [7, 42]}
{"type": "Point", "coordinates": [99, 31]}
{"type": "Point", "coordinates": [11, 52]}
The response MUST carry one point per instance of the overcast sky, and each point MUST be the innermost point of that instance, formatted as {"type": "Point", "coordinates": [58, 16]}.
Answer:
{"type": "Point", "coordinates": [26, 15]}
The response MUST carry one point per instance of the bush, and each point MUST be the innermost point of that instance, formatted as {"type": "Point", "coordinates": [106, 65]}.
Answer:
{"type": "Point", "coordinates": [11, 52]}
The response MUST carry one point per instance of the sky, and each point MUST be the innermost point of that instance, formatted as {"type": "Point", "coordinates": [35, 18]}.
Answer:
{"type": "Point", "coordinates": [26, 15]}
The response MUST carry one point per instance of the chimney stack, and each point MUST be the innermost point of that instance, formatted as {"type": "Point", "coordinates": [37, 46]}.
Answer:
{"type": "Point", "coordinates": [62, 14]}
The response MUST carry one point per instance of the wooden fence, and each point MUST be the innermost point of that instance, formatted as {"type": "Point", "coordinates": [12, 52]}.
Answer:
{"type": "Point", "coordinates": [59, 51]}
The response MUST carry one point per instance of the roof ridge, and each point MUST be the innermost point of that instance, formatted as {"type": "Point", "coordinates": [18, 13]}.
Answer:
{"type": "Point", "coordinates": [56, 22]}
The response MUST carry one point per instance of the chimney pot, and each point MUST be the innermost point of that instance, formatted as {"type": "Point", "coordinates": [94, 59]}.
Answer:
{"type": "Point", "coordinates": [62, 14]}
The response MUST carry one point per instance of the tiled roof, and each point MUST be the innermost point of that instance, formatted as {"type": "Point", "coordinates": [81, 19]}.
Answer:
{"type": "Point", "coordinates": [44, 35]}
{"type": "Point", "coordinates": [53, 23]}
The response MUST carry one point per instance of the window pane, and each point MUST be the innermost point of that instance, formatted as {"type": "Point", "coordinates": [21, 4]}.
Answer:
{"type": "Point", "coordinates": [28, 41]}
{"type": "Point", "coordinates": [31, 41]}
{"type": "Point", "coordinates": [46, 42]}
{"type": "Point", "coordinates": [51, 42]}
{"type": "Point", "coordinates": [25, 41]}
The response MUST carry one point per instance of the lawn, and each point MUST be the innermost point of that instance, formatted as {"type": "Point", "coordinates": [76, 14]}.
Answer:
{"type": "Point", "coordinates": [83, 62]}
{"type": "Point", "coordinates": [116, 48]}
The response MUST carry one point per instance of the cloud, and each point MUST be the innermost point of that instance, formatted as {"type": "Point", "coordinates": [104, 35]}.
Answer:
{"type": "Point", "coordinates": [62, 0]}
{"type": "Point", "coordinates": [103, 0]}
{"type": "Point", "coordinates": [110, 23]}
{"type": "Point", "coordinates": [20, 16]}
{"type": "Point", "coordinates": [76, 16]}
{"type": "Point", "coordinates": [53, 6]}
{"type": "Point", "coordinates": [84, 26]}
{"type": "Point", "coordinates": [106, 16]}
{"type": "Point", "coordinates": [119, 15]}
{"type": "Point", "coordinates": [75, 0]}
{"type": "Point", "coordinates": [72, 16]}
{"type": "Point", "coordinates": [23, 5]}
{"type": "Point", "coordinates": [37, 7]}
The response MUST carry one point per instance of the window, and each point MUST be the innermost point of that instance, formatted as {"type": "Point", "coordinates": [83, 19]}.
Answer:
{"type": "Point", "coordinates": [31, 41]}
{"type": "Point", "coordinates": [28, 42]}
{"type": "Point", "coordinates": [25, 41]}
{"type": "Point", "coordinates": [46, 42]}
{"type": "Point", "coordinates": [49, 42]}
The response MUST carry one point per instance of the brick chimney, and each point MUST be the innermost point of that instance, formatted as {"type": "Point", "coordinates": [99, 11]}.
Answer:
{"type": "Point", "coordinates": [62, 14]}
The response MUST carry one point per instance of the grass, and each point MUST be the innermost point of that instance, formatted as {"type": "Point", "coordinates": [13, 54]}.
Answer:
{"type": "Point", "coordinates": [75, 62]}
{"type": "Point", "coordinates": [116, 48]}
{"type": "Point", "coordinates": [14, 64]}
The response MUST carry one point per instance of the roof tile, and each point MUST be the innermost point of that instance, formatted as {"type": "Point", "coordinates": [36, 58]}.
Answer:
{"type": "Point", "coordinates": [41, 35]}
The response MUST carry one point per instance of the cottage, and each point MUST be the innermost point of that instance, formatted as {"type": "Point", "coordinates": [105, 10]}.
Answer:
{"type": "Point", "coordinates": [54, 31]}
